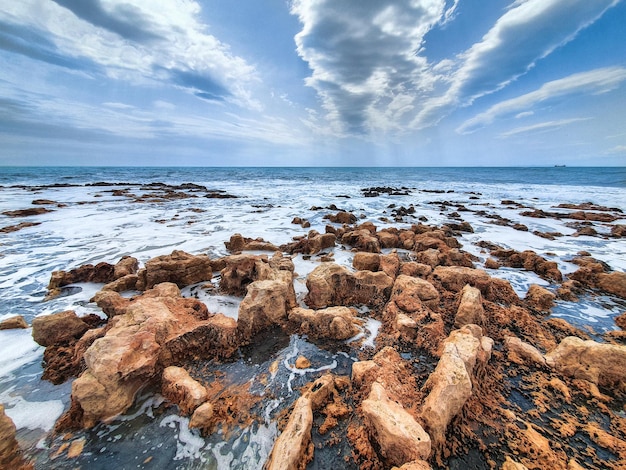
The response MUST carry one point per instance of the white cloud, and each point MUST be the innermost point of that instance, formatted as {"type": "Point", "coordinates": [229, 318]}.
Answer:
{"type": "Point", "coordinates": [363, 55]}
{"type": "Point", "coordinates": [542, 127]}
{"type": "Point", "coordinates": [529, 31]}
{"type": "Point", "coordinates": [592, 82]}
{"type": "Point", "coordinates": [524, 114]}
{"type": "Point", "coordinates": [169, 45]}
{"type": "Point", "coordinates": [617, 150]}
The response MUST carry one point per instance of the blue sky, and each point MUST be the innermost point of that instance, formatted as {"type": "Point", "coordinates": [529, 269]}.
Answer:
{"type": "Point", "coordinates": [313, 82]}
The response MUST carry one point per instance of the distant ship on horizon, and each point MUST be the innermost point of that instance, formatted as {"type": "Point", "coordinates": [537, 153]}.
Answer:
{"type": "Point", "coordinates": [559, 166]}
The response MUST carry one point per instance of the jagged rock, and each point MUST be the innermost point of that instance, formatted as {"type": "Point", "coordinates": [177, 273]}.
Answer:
{"type": "Point", "coordinates": [520, 352]}
{"type": "Point", "coordinates": [408, 314]}
{"type": "Point", "coordinates": [400, 438]}
{"type": "Point", "coordinates": [313, 243]}
{"type": "Point", "coordinates": [267, 303]}
{"type": "Point", "coordinates": [540, 298]}
{"type": "Point", "coordinates": [290, 450]}
{"type": "Point", "coordinates": [336, 323]}
{"type": "Point", "coordinates": [330, 284]}
{"type": "Point", "coordinates": [414, 269]}
{"type": "Point", "coordinates": [362, 240]}
{"type": "Point", "coordinates": [341, 217]}
{"type": "Point", "coordinates": [111, 302]}
{"type": "Point", "coordinates": [621, 321]}
{"type": "Point", "coordinates": [129, 355]}
{"type": "Point", "coordinates": [242, 270]}
{"type": "Point", "coordinates": [13, 323]}
{"type": "Point", "coordinates": [450, 385]}
{"type": "Point", "coordinates": [510, 464]}
{"type": "Point", "coordinates": [388, 238]}
{"type": "Point", "coordinates": [180, 268]}
{"type": "Point", "coordinates": [101, 273]}
{"type": "Point", "coordinates": [202, 418]}
{"type": "Point", "coordinates": [613, 283]}
{"type": "Point", "coordinates": [321, 391]}
{"type": "Point", "coordinates": [363, 261]}
{"type": "Point", "coordinates": [180, 388]}
{"type": "Point", "coordinates": [530, 261]}
{"type": "Point", "coordinates": [58, 327]}
{"type": "Point", "coordinates": [454, 278]}
{"type": "Point", "coordinates": [390, 264]}
{"type": "Point", "coordinates": [10, 453]}
{"type": "Point", "coordinates": [124, 283]}
{"type": "Point", "coordinates": [239, 243]}
{"type": "Point", "coordinates": [470, 309]}
{"type": "Point", "coordinates": [599, 363]}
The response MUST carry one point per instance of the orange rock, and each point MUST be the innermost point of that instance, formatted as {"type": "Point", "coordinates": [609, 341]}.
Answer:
{"type": "Point", "coordinates": [180, 388]}
{"type": "Point", "coordinates": [290, 449]}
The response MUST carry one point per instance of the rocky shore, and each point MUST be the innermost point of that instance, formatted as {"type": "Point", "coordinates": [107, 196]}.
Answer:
{"type": "Point", "coordinates": [464, 371]}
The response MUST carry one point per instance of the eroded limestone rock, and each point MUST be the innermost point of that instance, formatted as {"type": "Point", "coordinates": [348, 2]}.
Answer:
{"type": "Point", "coordinates": [291, 447]}
{"type": "Point", "coordinates": [180, 388]}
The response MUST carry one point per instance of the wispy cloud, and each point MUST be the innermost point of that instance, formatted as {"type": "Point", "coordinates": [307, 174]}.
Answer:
{"type": "Point", "coordinates": [542, 127]}
{"type": "Point", "coordinates": [591, 82]}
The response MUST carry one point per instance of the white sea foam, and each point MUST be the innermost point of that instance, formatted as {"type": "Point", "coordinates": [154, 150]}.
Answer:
{"type": "Point", "coordinates": [32, 414]}
{"type": "Point", "coordinates": [18, 349]}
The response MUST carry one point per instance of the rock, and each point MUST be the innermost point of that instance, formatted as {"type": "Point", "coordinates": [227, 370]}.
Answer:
{"type": "Point", "coordinates": [530, 261]}
{"type": "Point", "coordinates": [313, 243]}
{"type": "Point", "coordinates": [492, 264]}
{"type": "Point", "coordinates": [414, 269]}
{"type": "Point", "coordinates": [400, 438]}
{"type": "Point", "coordinates": [10, 453]}
{"type": "Point", "coordinates": [180, 268]}
{"type": "Point", "coordinates": [202, 418]}
{"type": "Point", "coordinates": [366, 261]}
{"type": "Point", "coordinates": [341, 217]}
{"type": "Point", "coordinates": [362, 240]}
{"type": "Point", "coordinates": [13, 323]}
{"type": "Point", "coordinates": [337, 323]}
{"type": "Point", "coordinates": [111, 302]}
{"type": "Point", "coordinates": [613, 283]}
{"type": "Point", "coordinates": [415, 465]}
{"type": "Point", "coordinates": [238, 243]}
{"type": "Point", "coordinates": [330, 284]}
{"type": "Point", "coordinates": [290, 450]}
{"type": "Point", "coordinates": [454, 278]}
{"type": "Point", "coordinates": [124, 283]}
{"type": "Point", "coordinates": [100, 273]}
{"type": "Point", "coordinates": [179, 388]}
{"type": "Point", "coordinates": [540, 298]}
{"type": "Point", "coordinates": [599, 363]}
{"type": "Point", "coordinates": [621, 321]}
{"type": "Point", "coordinates": [470, 309]}
{"type": "Point", "coordinates": [302, 363]}
{"type": "Point", "coordinates": [321, 391]}
{"type": "Point", "coordinates": [510, 464]}
{"type": "Point", "coordinates": [135, 348]}
{"type": "Point", "coordinates": [27, 212]}
{"type": "Point", "coordinates": [58, 327]}
{"type": "Point", "coordinates": [267, 303]}
{"type": "Point", "coordinates": [406, 289]}
{"type": "Point", "coordinates": [241, 270]}
{"type": "Point", "coordinates": [76, 448]}
{"type": "Point", "coordinates": [450, 385]}
{"type": "Point", "coordinates": [520, 352]}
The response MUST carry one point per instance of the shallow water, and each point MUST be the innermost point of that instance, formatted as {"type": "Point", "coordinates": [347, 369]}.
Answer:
{"type": "Point", "coordinates": [94, 225]}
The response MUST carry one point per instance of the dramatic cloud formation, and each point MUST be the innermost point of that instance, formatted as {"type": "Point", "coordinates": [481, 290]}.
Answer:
{"type": "Point", "coordinates": [309, 82]}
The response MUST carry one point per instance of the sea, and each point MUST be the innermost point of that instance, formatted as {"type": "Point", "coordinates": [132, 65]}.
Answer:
{"type": "Point", "coordinates": [98, 214]}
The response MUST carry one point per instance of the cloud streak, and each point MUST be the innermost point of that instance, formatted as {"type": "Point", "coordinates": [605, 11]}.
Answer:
{"type": "Point", "coordinates": [542, 127]}
{"type": "Point", "coordinates": [592, 82]}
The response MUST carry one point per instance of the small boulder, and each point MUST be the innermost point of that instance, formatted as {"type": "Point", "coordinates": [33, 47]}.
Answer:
{"type": "Point", "coordinates": [290, 450]}
{"type": "Point", "coordinates": [58, 327]}
{"type": "Point", "coordinates": [13, 323]}
{"type": "Point", "coordinates": [520, 352]}
{"type": "Point", "coordinates": [400, 438]}
{"type": "Point", "coordinates": [470, 309]}
{"type": "Point", "coordinates": [202, 418]}
{"type": "Point", "coordinates": [540, 298]}
{"type": "Point", "coordinates": [180, 388]}
{"type": "Point", "coordinates": [363, 261]}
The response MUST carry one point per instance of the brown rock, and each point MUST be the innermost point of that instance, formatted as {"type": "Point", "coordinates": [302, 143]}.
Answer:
{"type": "Point", "coordinates": [406, 289]}
{"type": "Point", "coordinates": [415, 465]}
{"type": "Point", "coordinates": [180, 268]}
{"type": "Point", "coordinates": [621, 321]}
{"type": "Point", "coordinates": [400, 438]}
{"type": "Point", "coordinates": [613, 283]}
{"type": "Point", "coordinates": [336, 323]}
{"type": "Point", "coordinates": [330, 284]}
{"type": "Point", "coordinates": [13, 323]}
{"type": "Point", "coordinates": [202, 418]}
{"type": "Point", "coordinates": [10, 453]}
{"type": "Point", "coordinates": [179, 388]}
{"type": "Point", "coordinates": [111, 302]}
{"type": "Point", "coordinates": [58, 327]}
{"type": "Point", "coordinates": [26, 212]}
{"type": "Point", "coordinates": [414, 269]}
{"type": "Point", "coordinates": [470, 309]}
{"type": "Point", "coordinates": [492, 264]}
{"type": "Point", "coordinates": [450, 385]}
{"type": "Point", "coordinates": [321, 391]}
{"type": "Point", "coordinates": [454, 278]}
{"type": "Point", "coordinates": [241, 270]}
{"type": "Point", "coordinates": [302, 363]}
{"type": "Point", "coordinates": [366, 261]}
{"type": "Point", "coordinates": [313, 243]}
{"type": "Point", "coordinates": [267, 303]}
{"type": "Point", "coordinates": [510, 464]}
{"type": "Point", "coordinates": [290, 450]}
{"type": "Point", "coordinates": [362, 240]}
{"type": "Point", "coordinates": [342, 217]}
{"type": "Point", "coordinates": [390, 264]}
{"type": "Point", "coordinates": [540, 298]}
{"type": "Point", "coordinates": [238, 243]}
{"type": "Point", "coordinates": [520, 352]}
{"type": "Point", "coordinates": [599, 363]}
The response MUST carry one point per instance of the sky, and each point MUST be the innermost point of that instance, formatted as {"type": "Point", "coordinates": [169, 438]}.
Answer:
{"type": "Point", "coordinates": [313, 82]}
